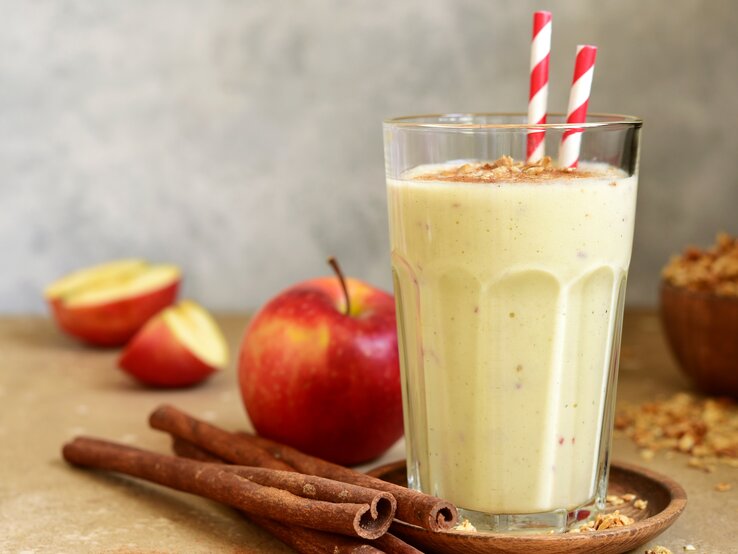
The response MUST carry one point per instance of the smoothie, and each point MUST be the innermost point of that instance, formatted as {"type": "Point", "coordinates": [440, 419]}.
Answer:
{"type": "Point", "coordinates": [508, 279]}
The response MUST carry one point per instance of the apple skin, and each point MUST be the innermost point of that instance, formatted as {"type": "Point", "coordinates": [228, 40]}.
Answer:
{"type": "Point", "coordinates": [321, 381]}
{"type": "Point", "coordinates": [115, 322]}
{"type": "Point", "coordinates": [157, 358]}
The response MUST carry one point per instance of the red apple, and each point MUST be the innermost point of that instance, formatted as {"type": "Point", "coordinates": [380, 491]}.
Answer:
{"type": "Point", "coordinates": [179, 347]}
{"type": "Point", "coordinates": [319, 370]}
{"type": "Point", "coordinates": [106, 304]}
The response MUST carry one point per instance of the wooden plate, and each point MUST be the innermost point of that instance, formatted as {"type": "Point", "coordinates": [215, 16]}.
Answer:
{"type": "Point", "coordinates": [666, 501]}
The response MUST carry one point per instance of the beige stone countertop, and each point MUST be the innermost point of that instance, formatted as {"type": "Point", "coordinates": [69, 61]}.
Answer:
{"type": "Point", "coordinates": [52, 388]}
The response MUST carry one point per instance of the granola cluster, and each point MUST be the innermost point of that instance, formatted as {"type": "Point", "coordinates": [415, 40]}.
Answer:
{"type": "Point", "coordinates": [466, 526]}
{"type": "Point", "coordinates": [712, 270]}
{"type": "Point", "coordinates": [615, 500]}
{"type": "Point", "coordinates": [504, 169]}
{"type": "Point", "coordinates": [704, 428]}
{"type": "Point", "coordinates": [604, 521]}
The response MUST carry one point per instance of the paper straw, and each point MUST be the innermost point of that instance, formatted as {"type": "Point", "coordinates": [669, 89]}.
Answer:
{"type": "Point", "coordinates": [578, 101]}
{"type": "Point", "coordinates": [540, 53]}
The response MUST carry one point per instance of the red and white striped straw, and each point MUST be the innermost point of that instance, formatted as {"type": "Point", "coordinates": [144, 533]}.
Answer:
{"type": "Point", "coordinates": [578, 102]}
{"type": "Point", "coordinates": [540, 53]}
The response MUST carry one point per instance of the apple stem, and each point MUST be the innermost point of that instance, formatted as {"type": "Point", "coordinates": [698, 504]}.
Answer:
{"type": "Point", "coordinates": [337, 270]}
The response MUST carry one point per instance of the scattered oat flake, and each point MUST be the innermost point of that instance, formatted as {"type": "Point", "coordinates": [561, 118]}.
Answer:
{"type": "Point", "coordinates": [629, 497]}
{"type": "Point", "coordinates": [614, 499]}
{"type": "Point", "coordinates": [686, 443]}
{"type": "Point", "coordinates": [705, 428]}
{"type": "Point", "coordinates": [615, 519]}
{"type": "Point", "coordinates": [465, 526]}
{"type": "Point", "coordinates": [723, 487]}
{"type": "Point", "coordinates": [647, 454]}
{"type": "Point", "coordinates": [604, 521]}
{"type": "Point", "coordinates": [689, 547]}
{"type": "Point", "coordinates": [658, 550]}
{"type": "Point", "coordinates": [640, 504]}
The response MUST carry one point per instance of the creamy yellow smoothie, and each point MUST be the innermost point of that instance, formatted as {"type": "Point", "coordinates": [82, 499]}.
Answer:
{"type": "Point", "coordinates": [507, 280]}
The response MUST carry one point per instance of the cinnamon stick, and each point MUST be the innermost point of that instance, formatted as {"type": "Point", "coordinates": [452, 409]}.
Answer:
{"type": "Point", "coordinates": [223, 484]}
{"type": "Point", "coordinates": [413, 507]}
{"type": "Point", "coordinates": [178, 424]}
{"type": "Point", "coordinates": [393, 545]}
{"type": "Point", "coordinates": [307, 541]}
{"type": "Point", "coordinates": [301, 539]}
{"type": "Point", "coordinates": [318, 488]}
{"type": "Point", "coordinates": [311, 541]}
{"type": "Point", "coordinates": [186, 449]}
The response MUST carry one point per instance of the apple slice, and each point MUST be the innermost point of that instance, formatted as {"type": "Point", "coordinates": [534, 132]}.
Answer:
{"type": "Point", "coordinates": [92, 276]}
{"type": "Point", "coordinates": [106, 304]}
{"type": "Point", "coordinates": [179, 347]}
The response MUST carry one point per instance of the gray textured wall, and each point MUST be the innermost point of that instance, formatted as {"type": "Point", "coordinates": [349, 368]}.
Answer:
{"type": "Point", "coordinates": [242, 140]}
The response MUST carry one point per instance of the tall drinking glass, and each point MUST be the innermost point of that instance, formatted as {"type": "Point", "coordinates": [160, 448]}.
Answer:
{"type": "Point", "coordinates": [509, 279]}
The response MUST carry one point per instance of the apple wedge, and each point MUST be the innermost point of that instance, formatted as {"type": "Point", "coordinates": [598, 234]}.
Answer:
{"type": "Point", "coordinates": [106, 304]}
{"type": "Point", "coordinates": [180, 347]}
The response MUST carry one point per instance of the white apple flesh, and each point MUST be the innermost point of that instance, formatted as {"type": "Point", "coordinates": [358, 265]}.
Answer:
{"type": "Point", "coordinates": [180, 347]}
{"type": "Point", "coordinates": [106, 304]}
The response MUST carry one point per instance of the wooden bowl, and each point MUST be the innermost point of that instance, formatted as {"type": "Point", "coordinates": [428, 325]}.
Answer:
{"type": "Point", "coordinates": [666, 501]}
{"type": "Point", "coordinates": [702, 330]}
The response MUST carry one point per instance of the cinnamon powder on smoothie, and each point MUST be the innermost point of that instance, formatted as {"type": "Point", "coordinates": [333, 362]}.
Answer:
{"type": "Point", "coordinates": [506, 170]}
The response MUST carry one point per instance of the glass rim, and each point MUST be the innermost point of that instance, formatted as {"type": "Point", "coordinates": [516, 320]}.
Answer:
{"type": "Point", "coordinates": [594, 121]}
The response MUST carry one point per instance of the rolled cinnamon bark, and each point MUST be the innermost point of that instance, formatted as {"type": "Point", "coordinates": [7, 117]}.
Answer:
{"type": "Point", "coordinates": [186, 449]}
{"type": "Point", "coordinates": [305, 541]}
{"type": "Point", "coordinates": [219, 482]}
{"type": "Point", "coordinates": [393, 545]}
{"type": "Point", "coordinates": [301, 539]}
{"type": "Point", "coordinates": [413, 507]}
{"type": "Point", "coordinates": [311, 541]}
{"type": "Point", "coordinates": [308, 486]}
{"type": "Point", "coordinates": [179, 424]}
